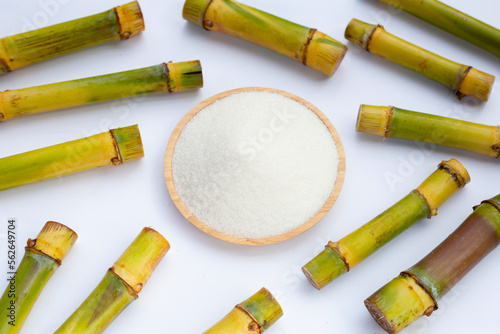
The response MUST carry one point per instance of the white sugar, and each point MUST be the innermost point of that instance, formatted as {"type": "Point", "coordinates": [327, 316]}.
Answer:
{"type": "Point", "coordinates": [255, 164]}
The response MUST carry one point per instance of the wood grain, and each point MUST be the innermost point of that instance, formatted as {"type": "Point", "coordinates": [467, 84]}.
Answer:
{"type": "Point", "coordinates": [252, 241]}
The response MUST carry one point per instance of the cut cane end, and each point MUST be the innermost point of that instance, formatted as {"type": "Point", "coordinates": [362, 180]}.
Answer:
{"type": "Point", "coordinates": [184, 75]}
{"type": "Point", "coordinates": [324, 53]}
{"type": "Point", "coordinates": [263, 307]}
{"type": "Point", "coordinates": [128, 143]}
{"type": "Point", "coordinates": [399, 303]}
{"type": "Point", "coordinates": [442, 184]}
{"type": "Point", "coordinates": [194, 11]}
{"type": "Point", "coordinates": [379, 317]}
{"type": "Point", "coordinates": [136, 265]}
{"type": "Point", "coordinates": [359, 32]}
{"type": "Point", "coordinates": [375, 120]}
{"type": "Point", "coordinates": [458, 170]}
{"type": "Point", "coordinates": [325, 268]}
{"type": "Point", "coordinates": [55, 240]}
{"type": "Point", "coordinates": [130, 19]}
{"type": "Point", "coordinates": [476, 84]}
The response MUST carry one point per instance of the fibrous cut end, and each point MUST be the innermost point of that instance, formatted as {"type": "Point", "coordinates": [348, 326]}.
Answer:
{"type": "Point", "coordinates": [194, 11]}
{"type": "Point", "coordinates": [325, 268]}
{"type": "Point", "coordinates": [140, 259]}
{"type": "Point", "coordinates": [399, 303]}
{"type": "Point", "coordinates": [54, 240]}
{"type": "Point", "coordinates": [128, 143]}
{"type": "Point", "coordinates": [374, 120]}
{"type": "Point", "coordinates": [359, 32]}
{"type": "Point", "coordinates": [476, 84]}
{"type": "Point", "coordinates": [130, 19]}
{"type": "Point", "coordinates": [263, 307]}
{"type": "Point", "coordinates": [324, 53]}
{"type": "Point", "coordinates": [184, 76]}
{"type": "Point", "coordinates": [379, 317]}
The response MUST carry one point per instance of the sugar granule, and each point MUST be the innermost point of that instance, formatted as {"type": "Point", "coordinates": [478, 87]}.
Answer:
{"type": "Point", "coordinates": [255, 164]}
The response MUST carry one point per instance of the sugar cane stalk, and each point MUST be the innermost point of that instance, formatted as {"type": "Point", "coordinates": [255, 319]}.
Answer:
{"type": "Point", "coordinates": [462, 79]}
{"type": "Point", "coordinates": [399, 123]}
{"type": "Point", "coordinates": [42, 257]}
{"type": "Point", "coordinates": [453, 21]}
{"type": "Point", "coordinates": [308, 46]}
{"type": "Point", "coordinates": [339, 257]}
{"type": "Point", "coordinates": [30, 47]}
{"type": "Point", "coordinates": [120, 286]}
{"type": "Point", "coordinates": [254, 315]}
{"type": "Point", "coordinates": [416, 291]}
{"type": "Point", "coordinates": [167, 77]}
{"type": "Point", "coordinates": [114, 147]}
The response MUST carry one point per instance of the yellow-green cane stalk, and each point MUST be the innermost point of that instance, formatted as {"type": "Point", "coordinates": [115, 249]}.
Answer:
{"type": "Point", "coordinates": [462, 79]}
{"type": "Point", "coordinates": [167, 77]}
{"type": "Point", "coordinates": [416, 291]}
{"type": "Point", "coordinates": [339, 257]}
{"type": "Point", "coordinates": [305, 45]}
{"type": "Point", "coordinates": [41, 259]}
{"type": "Point", "coordinates": [254, 315]}
{"type": "Point", "coordinates": [114, 147]}
{"type": "Point", "coordinates": [30, 47]}
{"type": "Point", "coordinates": [399, 123]}
{"type": "Point", "coordinates": [120, 286]}
{"type": "Point", "coordinates": [453, 21]}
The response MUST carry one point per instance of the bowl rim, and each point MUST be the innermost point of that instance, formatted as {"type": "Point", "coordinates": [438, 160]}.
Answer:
{"type": "Point", "coordinates": [241, 240]}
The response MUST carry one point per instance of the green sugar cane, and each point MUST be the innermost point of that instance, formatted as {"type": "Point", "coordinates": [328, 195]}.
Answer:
{"type": "Point", "coordinates": [120, 286]}
{"type": "Point", "coordinates": [41, 259]}
{"type": "Point", "coordinates": [30, 47]}
{"type": "Point", "coordinates": [254, 315]}
{"type": "Point", "coordinates": [114, 147]}
{"type": "Point", "coordinates": [305, 45]}
{"type": "Point", "coordinates": [417, 291]}
{"type": "Point", "coordinates": [167, 77]}
{"type": "Point", "coordinates": [340, 257]}
{"type": "Point", "coordinates": [462, 79]}
{"type": "Point", "coordinates": [453, 21]}
{"type": "Point", "coordinates": [392, 122]}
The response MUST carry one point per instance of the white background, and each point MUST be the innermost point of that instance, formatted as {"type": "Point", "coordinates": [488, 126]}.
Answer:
{"type": "Point", "coordinates": [202, 278]}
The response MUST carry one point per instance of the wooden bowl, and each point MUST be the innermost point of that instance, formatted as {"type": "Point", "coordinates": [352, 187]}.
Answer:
{"type": "Point", "coordinates": [235, 239]}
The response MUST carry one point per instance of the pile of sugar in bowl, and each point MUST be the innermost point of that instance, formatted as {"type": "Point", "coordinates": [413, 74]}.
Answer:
{"type": "Point", "coordinates": [255, 164]}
